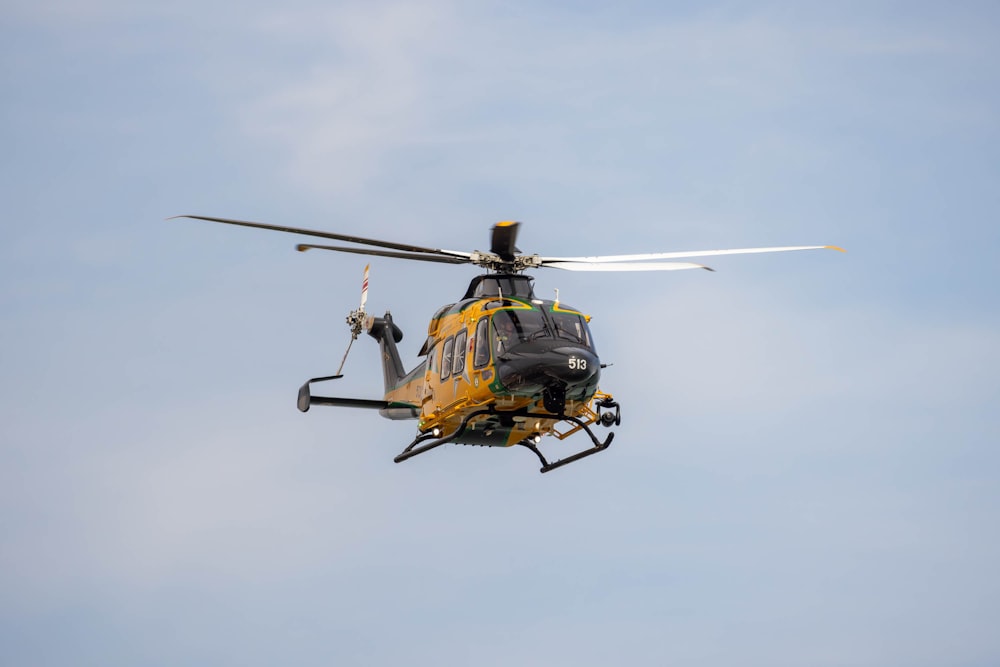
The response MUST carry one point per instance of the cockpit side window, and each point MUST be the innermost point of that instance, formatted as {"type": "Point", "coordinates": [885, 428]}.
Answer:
{"type": "Point", "coordinates": [481, 356]}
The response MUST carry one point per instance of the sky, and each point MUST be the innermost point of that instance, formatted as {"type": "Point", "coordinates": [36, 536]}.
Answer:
{"type": "Point", "coordinates": [807, 469]}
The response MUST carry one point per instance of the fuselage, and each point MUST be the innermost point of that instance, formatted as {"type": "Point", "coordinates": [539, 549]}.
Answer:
{"type": "Point", "coordinates": [521, 361]}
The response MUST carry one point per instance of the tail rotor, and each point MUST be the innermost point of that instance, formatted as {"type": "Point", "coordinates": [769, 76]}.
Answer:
{"type": "Point", "coordinates": [356, 321]}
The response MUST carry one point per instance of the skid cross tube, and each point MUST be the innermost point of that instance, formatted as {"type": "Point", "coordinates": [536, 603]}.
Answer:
{"type": "Point", "coordinates": [598, 445]}
{"type": "Point", "coordinates": [410, 452]}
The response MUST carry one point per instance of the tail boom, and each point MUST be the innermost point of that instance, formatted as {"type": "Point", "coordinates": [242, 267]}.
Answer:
{"type": "Point", "coordinates": [403, 391]}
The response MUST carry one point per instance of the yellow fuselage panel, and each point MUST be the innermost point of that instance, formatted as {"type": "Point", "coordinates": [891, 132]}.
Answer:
{"type": "Point", "coordinates": [411, 390]}
{"type": "Point", "coordinates": [452, 379]}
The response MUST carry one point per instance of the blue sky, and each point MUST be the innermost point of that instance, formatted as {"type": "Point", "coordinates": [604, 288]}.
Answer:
{"type": "Point", "coordinates": [807, 469]}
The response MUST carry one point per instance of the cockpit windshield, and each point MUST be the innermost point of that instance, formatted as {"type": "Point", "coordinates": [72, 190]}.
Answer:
{"type": "Point", "coordinates": [511, 327]}
{"type": "Point", "coordinates": [571, 326]}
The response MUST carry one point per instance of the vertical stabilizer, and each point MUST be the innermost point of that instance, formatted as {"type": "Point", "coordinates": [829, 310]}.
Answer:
{"type": "Point", "coordinates": [388, 334]}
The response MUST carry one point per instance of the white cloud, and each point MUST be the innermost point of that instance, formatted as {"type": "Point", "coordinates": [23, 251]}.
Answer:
{"type": "Point", "coordinates": [420, 93]}
{"type": "Point", "coordinates": [339, 118]}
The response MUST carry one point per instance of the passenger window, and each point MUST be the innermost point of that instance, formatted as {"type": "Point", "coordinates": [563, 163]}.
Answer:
{"type": "Point", "coordinates": [446, 358]}
{"type": "Point", "coordinates": [459, 364]}
{"type": "Point", "coordinates": [482, 354]}
{"type": "Point", "coordinates": [432, 360]}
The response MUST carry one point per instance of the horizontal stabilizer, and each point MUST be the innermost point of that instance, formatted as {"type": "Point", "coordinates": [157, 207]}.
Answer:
{"type": "Point", "coordinates": [306, 398]}
{"type": "Point", "coordinates": [348, 402]}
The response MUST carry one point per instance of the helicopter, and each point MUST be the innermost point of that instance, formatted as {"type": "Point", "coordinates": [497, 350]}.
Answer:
{"type": "Point", "coordinates": [499, 367]}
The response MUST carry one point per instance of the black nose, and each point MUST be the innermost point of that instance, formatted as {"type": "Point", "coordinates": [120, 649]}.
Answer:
{"type": "Point", "coordinates": [530, 368]}
{"type": "Point", "coordinates": [572, 365]}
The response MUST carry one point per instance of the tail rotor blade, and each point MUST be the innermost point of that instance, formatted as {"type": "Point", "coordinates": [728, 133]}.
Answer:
{"type": "Point", "coordinates": [364, 288]}
{"type": "Point", "coordinates": [340, 369]}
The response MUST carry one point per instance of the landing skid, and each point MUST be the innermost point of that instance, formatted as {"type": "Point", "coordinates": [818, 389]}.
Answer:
{"type": "Point", "coordinates": [432, 441]}
{"type": "Point", "coordinates": [598, 447]}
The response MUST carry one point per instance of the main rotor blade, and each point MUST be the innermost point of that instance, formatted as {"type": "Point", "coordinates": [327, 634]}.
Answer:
{"type": "Point", "coordinates": [442, 259]}
{"type": "Point", "coordinates": [326, 235]}
{"type": "Point", "coordinates": [679, 255]}
{"type": "Point", "coordinates": [503, 239]}
{"type": "Point", "coordinates": [635, 266]}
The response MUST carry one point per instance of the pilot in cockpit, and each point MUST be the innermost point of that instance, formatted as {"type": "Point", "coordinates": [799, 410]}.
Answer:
{"type": "Point", "coordinates": [506, 333]}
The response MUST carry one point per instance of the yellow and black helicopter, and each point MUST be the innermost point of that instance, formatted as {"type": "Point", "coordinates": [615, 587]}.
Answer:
{"type": "Point", "coordinates": [500, 366]}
